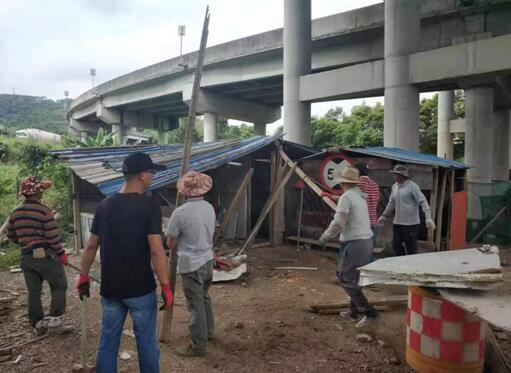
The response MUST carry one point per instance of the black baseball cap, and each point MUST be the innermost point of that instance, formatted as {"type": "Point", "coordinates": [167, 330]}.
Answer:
{"type": "Point", "coordinates": [362, 168]}
{"type": "Point", "coordinates": [139, 162]}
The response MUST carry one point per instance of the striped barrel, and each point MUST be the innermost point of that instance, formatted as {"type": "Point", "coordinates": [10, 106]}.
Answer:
{"type": "Point", "coordinates": [442, 337]}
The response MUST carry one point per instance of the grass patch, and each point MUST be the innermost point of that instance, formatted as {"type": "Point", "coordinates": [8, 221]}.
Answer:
{"type": "Point", "coordinates": [11, 257]}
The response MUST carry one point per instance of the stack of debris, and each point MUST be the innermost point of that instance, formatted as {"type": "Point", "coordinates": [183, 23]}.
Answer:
{"type": "Point", "coordinates": [5, 306]}
{"type": "Point", "coordinates": [466, 269]}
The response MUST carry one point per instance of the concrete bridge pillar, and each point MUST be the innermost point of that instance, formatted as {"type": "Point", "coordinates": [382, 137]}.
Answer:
{"type": "Point", "coordinates": [162, 137]}
{"type": "Point", "coordinates": [119, 137]}
{"type": "Point", "coordinates": [260, 129]}
{"type": "Point", "coordinates": [297, 62]}
{"type": "Point", "coordinates": [402, 37]}
{"type": "Point", "coordinates": [445, 146]}
{"type": "Point", "coordinates": [479, 134]}
{"type": "Point", "coordinates": [501, 145]}
{"type": "Point", "coordinates": [83, 135]}
{"type": "Point", "coordinates": [210, 127]}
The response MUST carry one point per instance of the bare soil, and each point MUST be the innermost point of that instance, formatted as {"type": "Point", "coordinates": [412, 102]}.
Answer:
{"type": "Point", "coordinates": [263, 324]}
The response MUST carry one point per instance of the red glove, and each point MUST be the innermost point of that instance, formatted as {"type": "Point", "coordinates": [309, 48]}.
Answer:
{"type": "Point", "coordinates": [63, 259]}
{"type": "Point", "coordinates": [167, 296]}
{"type": "Point", "coordinates": [83, 286]}
{"type": "Point", "coordinates": [326, 194]}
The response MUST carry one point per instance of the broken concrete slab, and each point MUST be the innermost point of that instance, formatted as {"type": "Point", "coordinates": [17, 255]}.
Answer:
{"type": "Point", "coordinates": [469, 269]}
{"type": "Point", "coordinates": [492, 306]}
{"type": "Point", "coordinates": [229, 275]}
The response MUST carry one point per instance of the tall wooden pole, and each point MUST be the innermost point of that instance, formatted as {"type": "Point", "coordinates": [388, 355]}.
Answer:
{"type": "Point", "coordinates": [166, 324]}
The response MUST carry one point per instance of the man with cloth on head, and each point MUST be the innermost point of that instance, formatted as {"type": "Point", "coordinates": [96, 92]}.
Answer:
{"type": "Point", "coordinates": [190, 231]}
{"type": "Point", "coordinates": [351, 220]}
{"type": "Point", "coordinates": [127, 227]}
{"type": "Point", "coordinates": [33, 227]}
{"type": "Point", "coordinates": [405, 200]}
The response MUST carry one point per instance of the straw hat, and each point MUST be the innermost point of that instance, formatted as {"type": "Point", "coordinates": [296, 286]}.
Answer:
{"type": "Point", "coordinates": [349, 175]}
{"type": "Point", "coordinates": [400, 170]}
{"type": "Point", "coordinates": [194, 184]}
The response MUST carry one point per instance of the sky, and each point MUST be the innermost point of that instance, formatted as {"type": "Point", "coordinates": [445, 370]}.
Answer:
{"type": "Point", "coordinates": [47, 47]}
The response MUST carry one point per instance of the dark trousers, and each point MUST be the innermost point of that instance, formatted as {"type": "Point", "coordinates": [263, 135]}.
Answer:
{"type": "Point", "coordinates": [35, 272]}
{"type": "Point", "coordinates": [195, 287]}
{"type": "Point", "coordinates": [404, 240]}
{"type": "Point", "coordinates": [355, 254]}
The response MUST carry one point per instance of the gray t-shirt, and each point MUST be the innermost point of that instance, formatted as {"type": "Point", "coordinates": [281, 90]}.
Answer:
{"type": "Point", "coordinates": [351, 217]}
{"type": "Point", "coordinates": [405, 200]}
{"type": "Point", "coordinates": [193, 224]}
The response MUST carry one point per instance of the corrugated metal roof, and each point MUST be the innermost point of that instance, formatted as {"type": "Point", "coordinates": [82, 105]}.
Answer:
{"type": "Point", "coordinates": [101, 166]}
{"type": "Point", "coordinates": [396, 154]}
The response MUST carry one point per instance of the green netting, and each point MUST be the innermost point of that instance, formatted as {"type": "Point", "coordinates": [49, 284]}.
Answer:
{"type": "Point", "coordinates": [485, 202]}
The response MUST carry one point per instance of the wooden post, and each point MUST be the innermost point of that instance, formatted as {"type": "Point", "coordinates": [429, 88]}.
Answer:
{"type": "Point", "coordinates": [269, 203]}
{"type": "Point", "coordinates": [234, 204]}
{"type": "Point", "coordinates": [83, 333]}
{"type": "Point", "coordinates": [166, 324]}
{"type": "Point", "coordinates": [432, 205]}
{"type": "Point", "coordinates": [439, 218]}
{"type": "Point", "coordinates": [452, 174]}
{"type": "Point", "coordinates": [278, 207]}
{"type": "Point", "coordinates": [299, 223]}
{"type": "Point", "coordinates": [76, 211]}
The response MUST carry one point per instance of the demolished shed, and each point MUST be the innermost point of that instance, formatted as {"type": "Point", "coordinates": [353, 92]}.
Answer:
{"type": "Point", "coordinates": [96, 174]}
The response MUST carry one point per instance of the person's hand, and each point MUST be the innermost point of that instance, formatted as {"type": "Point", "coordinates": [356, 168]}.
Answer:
{"type": "Point", "coordinates": [326, 194]}
{"type": "Point", "coordinates": [322, 240]}
{"type": "Point", "coordinates": [430, 224]}
{"type": "Point", "coordinates": [168, 297]}
{"type": "Point", "coordinates": [63, 259]}
{"type": "Point", "coordinates": [381, 221]}
{"type": "Point", "coordinates": [83, 286]}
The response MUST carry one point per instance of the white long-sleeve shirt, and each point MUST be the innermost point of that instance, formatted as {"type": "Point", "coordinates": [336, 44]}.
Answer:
{"type": "Point", "coordinates": [405, 200]}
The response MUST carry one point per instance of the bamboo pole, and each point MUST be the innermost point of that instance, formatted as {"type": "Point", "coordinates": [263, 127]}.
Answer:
{"type": "Point", "coordinates": [432, 205]}
{"type": "Point", "coordinates": [439, 218]}
{"type": "Point", "coordinates": [299, 219]}
{"type": "Point", "coordinates": [166, 324]}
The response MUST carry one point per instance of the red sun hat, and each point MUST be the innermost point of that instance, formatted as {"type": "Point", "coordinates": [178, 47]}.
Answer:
{"type": "Point", "coordinates": [30, 186]}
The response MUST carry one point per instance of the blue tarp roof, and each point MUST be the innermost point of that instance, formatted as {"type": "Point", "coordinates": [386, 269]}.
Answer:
{"type": "Point", "coordinates": [101, 166]}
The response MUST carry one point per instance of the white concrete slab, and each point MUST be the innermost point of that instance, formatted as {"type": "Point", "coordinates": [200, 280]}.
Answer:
{"type": "Point", "coordinates": [492, 306]}
{"type": "Point", "coordinates": [233, 274]}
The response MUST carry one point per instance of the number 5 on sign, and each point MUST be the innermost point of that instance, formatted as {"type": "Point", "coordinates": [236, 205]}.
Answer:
{"type": "Point", "coordinates": [331, 168]}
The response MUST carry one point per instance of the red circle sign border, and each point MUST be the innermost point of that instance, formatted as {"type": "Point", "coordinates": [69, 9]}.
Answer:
{"type": "Point", "coordinates": [322, 168]}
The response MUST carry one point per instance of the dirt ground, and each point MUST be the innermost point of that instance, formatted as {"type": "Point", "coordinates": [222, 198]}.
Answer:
{"type": "Point", "coordinates": [262, 325]}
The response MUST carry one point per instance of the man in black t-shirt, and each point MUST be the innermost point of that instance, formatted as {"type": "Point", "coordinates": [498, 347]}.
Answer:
{"type": "Point", "coordinates": [127, 227]}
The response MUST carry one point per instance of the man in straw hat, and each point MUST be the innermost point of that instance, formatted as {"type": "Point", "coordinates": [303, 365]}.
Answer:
{"type": "Point", "coordinates": [405, 200]}
{"type": "Point", "coordinates": [191, 228]}
{"type": "Point", "coordinates": [351, 220]}
{"type": "Point", "coordinates": [127, 226]}
{"type": "Point", "coordinates": [33, 227]}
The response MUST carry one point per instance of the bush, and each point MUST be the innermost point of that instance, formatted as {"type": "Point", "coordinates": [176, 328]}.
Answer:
{"type": "Point", "coordinates": [11, 257]}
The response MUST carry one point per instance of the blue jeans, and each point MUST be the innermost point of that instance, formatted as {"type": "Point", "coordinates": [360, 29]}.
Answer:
{"type": "Point", "coordinates": [143, 311]}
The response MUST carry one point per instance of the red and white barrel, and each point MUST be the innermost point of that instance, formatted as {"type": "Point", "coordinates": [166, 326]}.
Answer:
{"type": "Point", "coordinates": [442, 337]}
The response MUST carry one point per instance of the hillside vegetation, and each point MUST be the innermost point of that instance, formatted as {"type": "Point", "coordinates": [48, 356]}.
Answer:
{"type": "Point", "coordinates": [18, 112]}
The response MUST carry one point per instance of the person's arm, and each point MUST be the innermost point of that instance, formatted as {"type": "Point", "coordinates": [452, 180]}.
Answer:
{"type": "Point", "coordinates": [158, 258]}
{"type": "Point", "coordinates": [423, 203]}
{"type": "Point", "coordinates": [11, 231]}
{"type": "Point", "coordinates": [391, 205]}
{"type": "Point", "coordinates": [340, 219]}
{"type": "Point", "coordinates": [172, 243]}
{"type": "Point", "coordinates": [52, 235]}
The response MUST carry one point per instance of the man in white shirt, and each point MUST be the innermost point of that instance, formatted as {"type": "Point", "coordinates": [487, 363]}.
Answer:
{"type": "Point", "coordinates": [191, 228]}
{"type": "Point", "coordinates": [405, 200]}
{"type": "Point", "coordinates": [351, 220]}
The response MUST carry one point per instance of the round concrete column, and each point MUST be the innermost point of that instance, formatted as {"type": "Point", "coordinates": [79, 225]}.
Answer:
{"type": "Point", "coordinates": [297, 62]}
{"type": "Point", "coordinates": [162, 137]}
{"type": "Point", "coordinates": [402, 32]}
{"type": "Point", "coordinates": [445, 115]}
{"type": "Point", "coordinates": [501, 145]}
{"type": "Point", "coordinates": [479, 134]}
{"type": "Point", "coordinates": [83, 135]}
{"type": "Point", "coordinates": [260, 129]}
{"type": "Point", "coordinates": [118, 131]}
{"type": "Point", "coordinates": [210, 128]}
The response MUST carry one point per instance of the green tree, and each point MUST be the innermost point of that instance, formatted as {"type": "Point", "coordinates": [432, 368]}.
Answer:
{"type": "Point", "coordinates": [101, 139]}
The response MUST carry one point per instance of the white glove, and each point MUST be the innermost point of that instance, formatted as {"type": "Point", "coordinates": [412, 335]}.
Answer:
{"type": "Point", "coordinates": [430, 224]}
{"type": "Point", "coordinates": [381, 221]}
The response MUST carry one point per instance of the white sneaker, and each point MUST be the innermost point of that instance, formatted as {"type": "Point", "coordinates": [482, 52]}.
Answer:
{"type": "Point", "coordinates": [41, 327]}
{"type": "Point", "coordinates": [55, 325]}
{"type": "Point", "coordinates": [365, 321]}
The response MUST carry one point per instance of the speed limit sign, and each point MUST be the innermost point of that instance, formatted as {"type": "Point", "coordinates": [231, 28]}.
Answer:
{"type": "Point", "coordinates": [331, 168]}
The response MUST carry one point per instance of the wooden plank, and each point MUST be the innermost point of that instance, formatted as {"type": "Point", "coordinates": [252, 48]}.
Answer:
{"type": "Point", "coordinates": [278, 206]}
{"type": "Point", "coordinates": [439, 218]}
{"type": "Point", "coordinates": [299, 223]}
{"type": "Point", "coordinates": [166, 324]}
{"type": "Point", "coordinates": [76, 212]}
{"type": "Point", "coordinates": [458, 235]}
{"type": "Point", "coordinates": [307, 180]}
{"type": "Point", "coordinates": [234, 205]}
{"type": "Point", "coordinates": [335, 311]}
{"type": "Point", "coordinates": [394, 301]}
{"type": "Point", "coordinates": [488, 225]}
{"type": "Point", "coordinates": [432, 204]}
{"type": "Point", "coordinates": [269, 203]}
{"type": "Point", "coordinates": [449, 218]}
{"type": "Point", "coordinates": [504, 365]}
{"type": "Point", "coordinates": [312, 241]}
